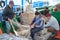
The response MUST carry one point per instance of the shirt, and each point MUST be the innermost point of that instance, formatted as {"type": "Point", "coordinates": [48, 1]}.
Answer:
{"type": "Point", "coordinates": [8, 13]}
{"type": "Point", "coordinates": [39, 22]}
{"type": "Point", "coordinates": [53, 23]}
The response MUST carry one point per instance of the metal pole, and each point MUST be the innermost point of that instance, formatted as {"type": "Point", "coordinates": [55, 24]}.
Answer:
{"type": "Point", "coordinates": [22, 5]}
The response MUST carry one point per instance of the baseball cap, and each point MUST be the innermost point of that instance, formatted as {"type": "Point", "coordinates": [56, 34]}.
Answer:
{"type": "Point", "coordinates": [11, 2]}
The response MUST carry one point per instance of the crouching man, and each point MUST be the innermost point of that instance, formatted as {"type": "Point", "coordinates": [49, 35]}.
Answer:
{"type": "Point", "coordinates": [52, 25]}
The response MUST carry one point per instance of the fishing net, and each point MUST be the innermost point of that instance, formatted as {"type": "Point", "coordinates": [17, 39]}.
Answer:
{"type": "Point", "coordinates": [24, 30]}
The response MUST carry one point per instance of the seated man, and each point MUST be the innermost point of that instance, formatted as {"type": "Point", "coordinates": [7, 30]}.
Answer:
{"type": "Point", "coordinates": [37, 24]}
{"type": "Point", "coordinates": [52, 24]}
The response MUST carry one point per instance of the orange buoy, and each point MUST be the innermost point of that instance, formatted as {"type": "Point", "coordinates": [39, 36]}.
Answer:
{"type": "Point", "coordinates": [0, 31]}
{"type": "Point", "coordinates": [55, 9]}
{"type": "Point", "coordinates": [58, 35]}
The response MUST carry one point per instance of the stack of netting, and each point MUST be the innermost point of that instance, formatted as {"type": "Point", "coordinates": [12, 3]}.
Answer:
{"type": "Point", "coordinates": [24, 30]}
{"type": "Point", "coordinates": [28, 15]}
{"type": "Point", "coordinates": [42, 35]}
{"type": "Point", "coordinates": [27, 18]}
{"type": "Point", "coordinates": [11, 37]}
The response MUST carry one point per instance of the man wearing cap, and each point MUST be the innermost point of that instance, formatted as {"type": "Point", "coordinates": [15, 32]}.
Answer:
{"type": "Point", "coordinates": [8, 14]}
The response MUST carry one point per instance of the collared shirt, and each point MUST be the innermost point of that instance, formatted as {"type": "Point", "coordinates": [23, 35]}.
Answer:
{"type": "Point", "coordinates": [53, 23]}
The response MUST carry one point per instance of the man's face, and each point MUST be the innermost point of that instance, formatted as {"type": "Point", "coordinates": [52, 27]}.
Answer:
{"type": "Point", "coordinates": [37, 16]}
{"type": "Point", "coordinates": [11, 5]}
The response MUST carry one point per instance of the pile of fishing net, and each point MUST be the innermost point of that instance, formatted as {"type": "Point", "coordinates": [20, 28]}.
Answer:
{"type": "Point", "coordinates": [23, 30]}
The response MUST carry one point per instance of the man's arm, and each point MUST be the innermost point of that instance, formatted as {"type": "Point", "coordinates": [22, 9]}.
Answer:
{"type": "Point", "coordinates": [49, 23]}
{"type": "Point", "coordinates": [41, 23]}
{"type": "Point", "coordinates": [33, 21]}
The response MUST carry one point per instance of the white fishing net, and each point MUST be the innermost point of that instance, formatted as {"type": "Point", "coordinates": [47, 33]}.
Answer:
{"type": "Point", "coordinates": [11, 37]}
{"type": "Point", "coordinates": [24, 30]}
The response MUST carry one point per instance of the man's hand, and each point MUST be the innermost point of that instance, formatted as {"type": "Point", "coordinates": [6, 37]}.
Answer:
{"type": "Point", "coordinates": [10, 34]}
{"type": "Point", "coordinates": [9, 19]}
{"type": "Point", "coordinates": [32, 26]}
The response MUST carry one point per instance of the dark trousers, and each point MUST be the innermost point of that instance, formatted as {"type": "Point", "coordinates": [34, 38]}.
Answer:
{"type": "Point", "coordinates": [35, 30]}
